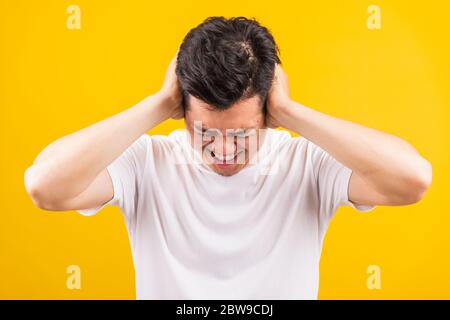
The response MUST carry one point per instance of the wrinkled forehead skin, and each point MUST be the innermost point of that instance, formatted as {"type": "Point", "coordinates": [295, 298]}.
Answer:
{"type": "Point", "coordinates": [244, 114]}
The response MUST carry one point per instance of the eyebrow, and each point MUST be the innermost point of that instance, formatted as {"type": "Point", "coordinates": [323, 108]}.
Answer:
{"type": "Point", "coordinates": [205, 128]}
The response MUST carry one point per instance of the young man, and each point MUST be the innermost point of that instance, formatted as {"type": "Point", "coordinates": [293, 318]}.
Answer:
{"type": "Point", "coordinates": [228, 208]}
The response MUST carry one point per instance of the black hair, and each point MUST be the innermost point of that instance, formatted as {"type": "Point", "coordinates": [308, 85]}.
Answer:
{"type": "Point", "coordinates": [224, 60]}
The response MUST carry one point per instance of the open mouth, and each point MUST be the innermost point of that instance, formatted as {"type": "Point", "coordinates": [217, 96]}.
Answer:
{"type": "Point", "coordinates": [225, 161]}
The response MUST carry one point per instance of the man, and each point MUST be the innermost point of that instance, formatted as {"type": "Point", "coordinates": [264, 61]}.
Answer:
{"type": "Point", "coordinates": [228, 208]}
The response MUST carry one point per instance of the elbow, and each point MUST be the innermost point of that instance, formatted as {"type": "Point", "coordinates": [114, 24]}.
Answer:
{"type": "Point", "coordinates": [419, 183]}
{"type": "Point", "coordinates": [37, 190]}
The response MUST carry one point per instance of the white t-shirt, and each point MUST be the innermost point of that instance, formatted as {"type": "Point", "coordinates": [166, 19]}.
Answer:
{"type": "Point", "coordinates": [257, 234]}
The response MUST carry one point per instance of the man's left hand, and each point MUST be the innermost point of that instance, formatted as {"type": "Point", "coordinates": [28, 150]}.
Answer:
{"type": "Point", "coordinates": [278, 100]}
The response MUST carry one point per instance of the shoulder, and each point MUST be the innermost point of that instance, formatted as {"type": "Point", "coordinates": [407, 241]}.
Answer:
{"type": "Point", "coordinates": [282, 141]}
{"type": "Point", "coordinates": [295, 151]}
{"type": "Point", "coordinates": [163, 142]}
{"type": "Point", "coordinates": [166, 148]}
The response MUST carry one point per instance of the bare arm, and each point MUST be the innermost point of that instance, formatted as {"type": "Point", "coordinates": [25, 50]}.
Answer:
{"type": "Point", "coordinates": [70, 173]}
{"type": "Point", "coordinates": [386, 169]}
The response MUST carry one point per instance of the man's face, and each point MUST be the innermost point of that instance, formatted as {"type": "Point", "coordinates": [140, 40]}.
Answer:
{"type": "Point", "coordinates": [227, 139]}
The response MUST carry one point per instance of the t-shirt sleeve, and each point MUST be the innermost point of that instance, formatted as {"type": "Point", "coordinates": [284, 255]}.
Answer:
{"type": "Point", "coordinates": [332, 181]}
{"type": "Point", "coordinates": [126, 173]}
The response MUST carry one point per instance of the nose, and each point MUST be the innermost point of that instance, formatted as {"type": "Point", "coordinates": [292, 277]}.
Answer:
{"type": "Point", "coordinates": [224, 146]}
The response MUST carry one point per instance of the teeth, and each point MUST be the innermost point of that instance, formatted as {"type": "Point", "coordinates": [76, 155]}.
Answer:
{"type": "Point", "coordinates": [224, 158]}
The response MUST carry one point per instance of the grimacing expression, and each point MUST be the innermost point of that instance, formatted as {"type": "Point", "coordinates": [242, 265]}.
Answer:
{"type": "Point", "coordinates": [227, 139]}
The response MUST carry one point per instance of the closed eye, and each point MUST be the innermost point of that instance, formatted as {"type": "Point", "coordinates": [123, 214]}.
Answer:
{"type": "Point", "coordinates": [206, 132]}
{"type": "Point", "coordinates": [231, 133]}
{"type": "Point", "coordinates": [244, 133]}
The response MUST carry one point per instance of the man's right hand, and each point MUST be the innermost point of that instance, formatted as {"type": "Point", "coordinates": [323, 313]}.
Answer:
{"type": "Point", "coordinates": [170, 91]}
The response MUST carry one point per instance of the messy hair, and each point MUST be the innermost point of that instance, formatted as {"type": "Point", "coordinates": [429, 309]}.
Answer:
{"type": "Point", "coordinates": [222, 61]}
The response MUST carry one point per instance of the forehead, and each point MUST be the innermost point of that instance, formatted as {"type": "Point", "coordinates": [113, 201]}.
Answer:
{"type": "Point", "coordinates": [245, 113]}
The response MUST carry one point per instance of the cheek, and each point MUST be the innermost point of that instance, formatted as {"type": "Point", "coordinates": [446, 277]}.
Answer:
{"type": "Point", "coordinates": [198, 138]}
{"type": "Point", "coordinates": [251, 144]}
{"type": "Point", "coordinates": [207, 145]}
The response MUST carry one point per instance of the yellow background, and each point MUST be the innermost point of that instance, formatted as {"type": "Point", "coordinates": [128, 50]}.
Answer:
{"type": "Point", "coordinates": [54, 81]}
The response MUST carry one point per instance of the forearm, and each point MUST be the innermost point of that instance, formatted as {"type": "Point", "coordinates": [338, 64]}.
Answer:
{"type": "Point", "coordinates": [68, 165]}
{"type": "Point", "coordinates": [389, 163]}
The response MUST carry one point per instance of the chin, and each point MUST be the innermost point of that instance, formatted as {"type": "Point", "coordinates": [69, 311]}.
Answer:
{"type": "Point", "coordinates": [227, 172]}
